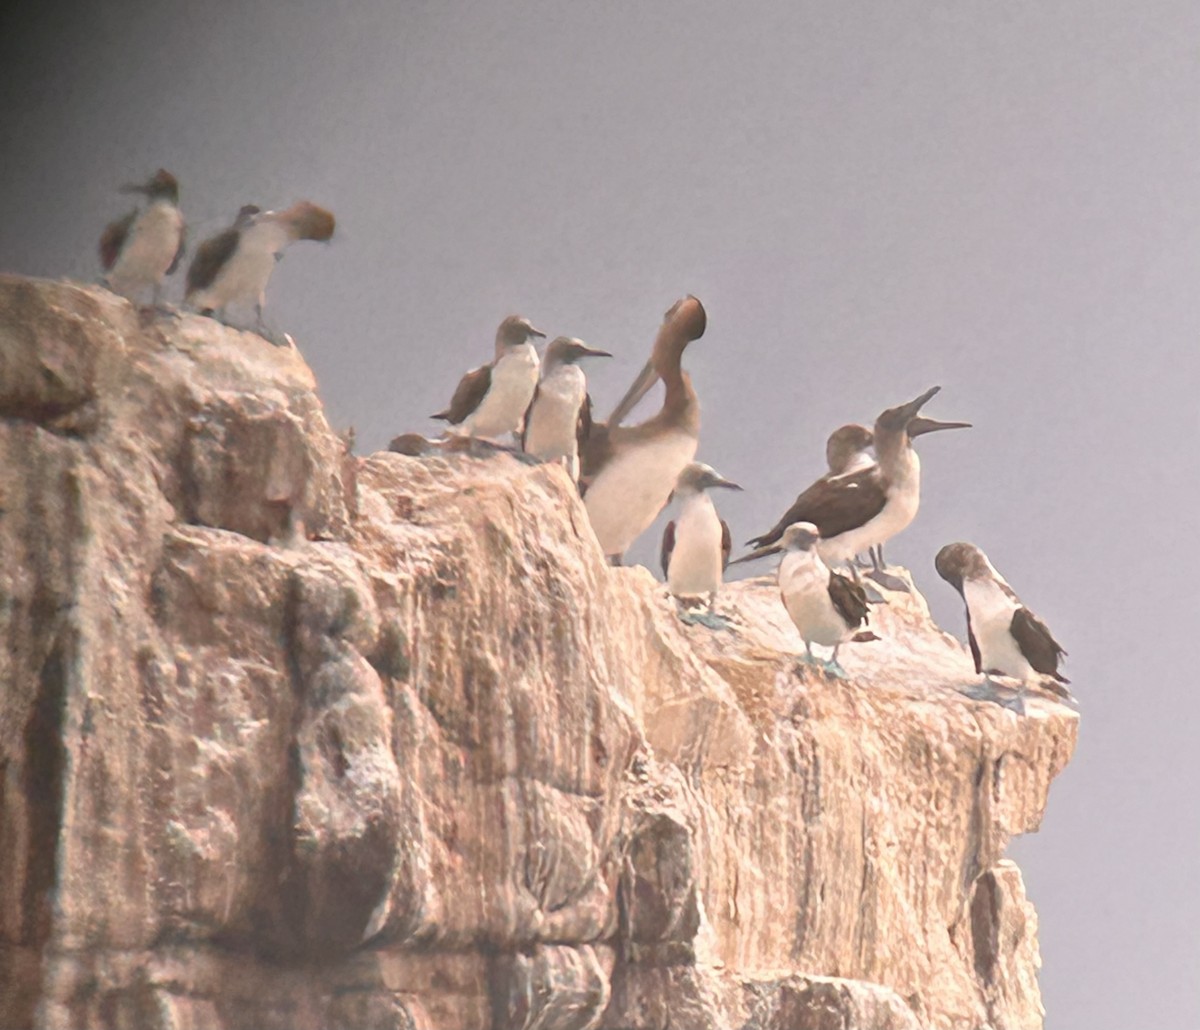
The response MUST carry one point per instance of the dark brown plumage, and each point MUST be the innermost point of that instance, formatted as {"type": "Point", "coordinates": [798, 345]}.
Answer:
{"type": "Point", "coordinates": [833, 504]}
{"type": "Point", "coordinates": [113, 239]}
{"type": "Point", "coordinates": [469, 394]}
{"type": "Point", "coordinates": [849, 598]}
{"type": "Point", "coordinates": [1037, 644]}
{"type": "Point", "coordinates": [210, 256]}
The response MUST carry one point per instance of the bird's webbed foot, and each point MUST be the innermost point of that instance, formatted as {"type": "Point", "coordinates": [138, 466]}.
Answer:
{"type": "Point", "coordinates": [833, 669]}
{"type": "Point", "coordinates": [708, 619]}
{"type": "Point", "coordinates": [890, 582]}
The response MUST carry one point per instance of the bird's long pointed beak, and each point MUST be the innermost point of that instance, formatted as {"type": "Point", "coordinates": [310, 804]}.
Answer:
{"type": "Point", "coordinates": [912, 407]}
{"type": "Point", "coordinates": [536, 332]}
{"type": "Point", "coordinates": [646, 378]}
{"type": "Point", "coordinates": [594, 352]}
{"type": "Point", "coordinates": [728, 484]}
{"type": "Point", "coordinates": [923, 424]}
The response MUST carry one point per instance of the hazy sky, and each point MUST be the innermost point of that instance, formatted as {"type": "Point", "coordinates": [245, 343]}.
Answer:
{"type": "Point", "coordinates": [870, 198]}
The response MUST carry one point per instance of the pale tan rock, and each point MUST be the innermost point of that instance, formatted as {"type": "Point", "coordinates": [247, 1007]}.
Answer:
{"type": "Point", "coordinates": [290, 739]}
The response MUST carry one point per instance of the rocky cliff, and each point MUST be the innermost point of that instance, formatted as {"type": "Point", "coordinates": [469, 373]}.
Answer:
{"type": "Point", "coordinates": [291, 739]}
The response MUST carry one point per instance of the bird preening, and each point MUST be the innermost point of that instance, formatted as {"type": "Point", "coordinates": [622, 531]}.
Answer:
{"type": "Point", "coordinates": [539, 408]}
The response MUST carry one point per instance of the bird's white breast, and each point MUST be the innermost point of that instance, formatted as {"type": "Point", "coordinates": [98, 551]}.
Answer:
{"type": "Point", "coordinates": [149, 248]}
{"type": "Point", "coordinates": [514, 378]}
{"type": "Point", "coordinates": [244, 276]}
{"type": "Point", "coordinates": [804, 586]}
{"type": "Point", "coordinates": [695, 567]}
{"type": "Point", "coordinates": [554, 417]}
{"type": "Point", "coordinates": [630, 491]}
{"type": "Point", "coordinates": [898, 512]}
{"type": "Point", "coordinates": [992, 613]}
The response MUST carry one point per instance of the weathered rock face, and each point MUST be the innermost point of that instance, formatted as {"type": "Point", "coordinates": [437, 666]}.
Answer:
{"type": "Point", "coordinates": [294, 740]}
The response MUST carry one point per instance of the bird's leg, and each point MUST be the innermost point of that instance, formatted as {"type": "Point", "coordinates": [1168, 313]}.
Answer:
{"type": "Point", "coordinates": [876, 553]}
{"type": "Point", "coordinates": [259, 326]}
{"type": "Point", "coordinates": [712, 601]}
{"type": "Point", "coordinates": [832, 667]}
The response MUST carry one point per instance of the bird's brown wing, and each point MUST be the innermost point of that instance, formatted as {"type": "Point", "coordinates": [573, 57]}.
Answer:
{"type": "Point", "coordinates": [833, 504]}
{"type": "Point", "coordinates": [975, 653]}
{"type": "Point", "coordinates": [528, 412]}
{"type": "Point", "coordinates": [179, 251]}
{"type": "Point", "coordinates": [584, 424]}
{"type": "Point", "coordinates": [472, 388]}
{"type": "Point", "coordinates": [849, 598]}
{"type": "Point", "coordinates": [668, 545]}
{"type": "Point", "coordinates": [595, 452]}
{"type": "Point", "coordinates": [726, 544]}
{"type": "Point", "coordinates": [210, 256]}
{"type": "Point", "coordinates": [1037, 644]}
{"type": "Point", "coordinates": [113, 239]}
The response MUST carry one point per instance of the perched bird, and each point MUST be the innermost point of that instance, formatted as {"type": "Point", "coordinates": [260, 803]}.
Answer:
{"type": "Point", "coordinates": [826, 607]}
{"type": "Point", "coordinates": [1006, 638]}
{"type": "Point", "coordinates": [145, 246]}
{"type": "Point", "coordinates": [695, 548]}
{"type": "Point", "coordinates": [628, 472]}
{"type": "Point", "coordinates": [492, 400]}
{"type": "Point", "coordinates": [858, 510]}
{"type": "Point", "coordinates": [559, 416]}
{"type": "Point", "coordinates": [234, 266]}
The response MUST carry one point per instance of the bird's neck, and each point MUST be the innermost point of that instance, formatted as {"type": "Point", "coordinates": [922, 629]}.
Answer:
{"type": "Point", "coordinates": [681, 406]}
{"type": "Point", "coordinates": [897, 459]}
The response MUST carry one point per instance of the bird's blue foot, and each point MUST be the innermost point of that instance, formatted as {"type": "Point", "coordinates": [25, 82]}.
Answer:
{"type": "Point", "coordinates": [711, 620]}
{"type": "Point", "coordinates": [890, 582]}
{"type": "Point", "coordinates": [834, 668]}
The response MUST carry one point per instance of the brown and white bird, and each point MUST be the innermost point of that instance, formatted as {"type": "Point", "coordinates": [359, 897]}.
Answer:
{"type": "Point", "coordinates": [628, 472]}
{"type": "Point", "coordinates": [491, 400]}
{"type": "Point", "coordinates": [1006, 638]}
{"type": "Point", "coordinates": [860, 509]}
{"type": "Point", "coordinates": [138, 251]}
{"type": "Point", "coordinates": [559, 417]}
{"type": "Point", "coordinates": [695, 546]}
{"type": "Point", "coordinates": [826, 607]}
{"type": "Point", "coordinates": [234, 267]}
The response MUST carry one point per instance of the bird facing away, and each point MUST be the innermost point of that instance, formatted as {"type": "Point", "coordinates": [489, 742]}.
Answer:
{"type": "Point", "coordinates": [234, 267]}
{"type": "Point", "coordinates": [491, 400]}
{"type": "Point", "coordinates": [825, 606]}
{"type": "Point", "coordinates": [1006, 638]}
{"type": "Point", "coordinates": [559, 416]}
{"type": "Point", "coordinates": [695, 547]}
{"type": "Point", "coordinates": [858, 510]}
{"type": "Point", "coordinates": [628, 472]}
{"type": "Point", "coordinates": [848, 449]}
{"type": "Point", "coordinates": [138, 251]}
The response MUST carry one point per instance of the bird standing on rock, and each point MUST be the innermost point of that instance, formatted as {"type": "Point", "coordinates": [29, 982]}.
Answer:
{"type": "Point", "coordinates": [859, 510]}
{"type": "Point", "coordinates": [491, 400]}
{"type": "Point", "coordinates": [234, 267]}
{"type": "Point", "coordinates": [1006, 638]}
{"type": "Point", "coordinates": [560, 414]}
{"type": "Point", "coordinates": [825, 606]}
{"type": "Point", "coordinates": [145, 246]}
{"type": "Point", "coordinates": [695, 547]}
{"type": "Point", "coordinates": [628, 472]}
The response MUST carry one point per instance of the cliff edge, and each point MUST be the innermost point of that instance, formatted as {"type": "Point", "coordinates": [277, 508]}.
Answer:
{"type": "Point", "coordinates": [291, 739]}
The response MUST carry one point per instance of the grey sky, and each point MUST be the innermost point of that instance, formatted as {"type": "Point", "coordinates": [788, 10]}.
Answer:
{"type": "Point", "coordinates": [869, 198]}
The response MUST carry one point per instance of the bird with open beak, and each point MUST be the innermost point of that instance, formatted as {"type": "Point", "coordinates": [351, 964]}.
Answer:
{"type": "Point", "coordinates": [859, 510]}
{"type": "Point", "coordinates": [491, 401]}
{"type": "Point", "coordinates": [139, 250]}
{"type": "Point", "coordinates": [559, 415]}
{"type": "Point", "coordinates": [234, 267]}
{"type": "Point", "coordinates": [628, 472]}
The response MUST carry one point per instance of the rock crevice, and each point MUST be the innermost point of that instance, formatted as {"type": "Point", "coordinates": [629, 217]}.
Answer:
{"type": "Point", "coordinates": [291, 739]}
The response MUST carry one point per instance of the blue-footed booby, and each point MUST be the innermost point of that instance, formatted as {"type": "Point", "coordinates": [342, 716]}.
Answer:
{"type": "Point", "coordinates": [491, 400]}
{"type": "Point", "coordinates": [859, 510]}
{"type": "Point", "coordinates": [559, 417]}
{"type": "Point", "coordinates": [1006, 638]}
{"type": "Point", "coordinates": [826, 607]}
{"type": "Point", "coordinates": [695, 547]}
{"type": "Point", "coordinates": [139, 250]}
{"type": "Point", "coordinates": [628, 472]}
{"type": "Point", "coordinates": [234, 266]}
